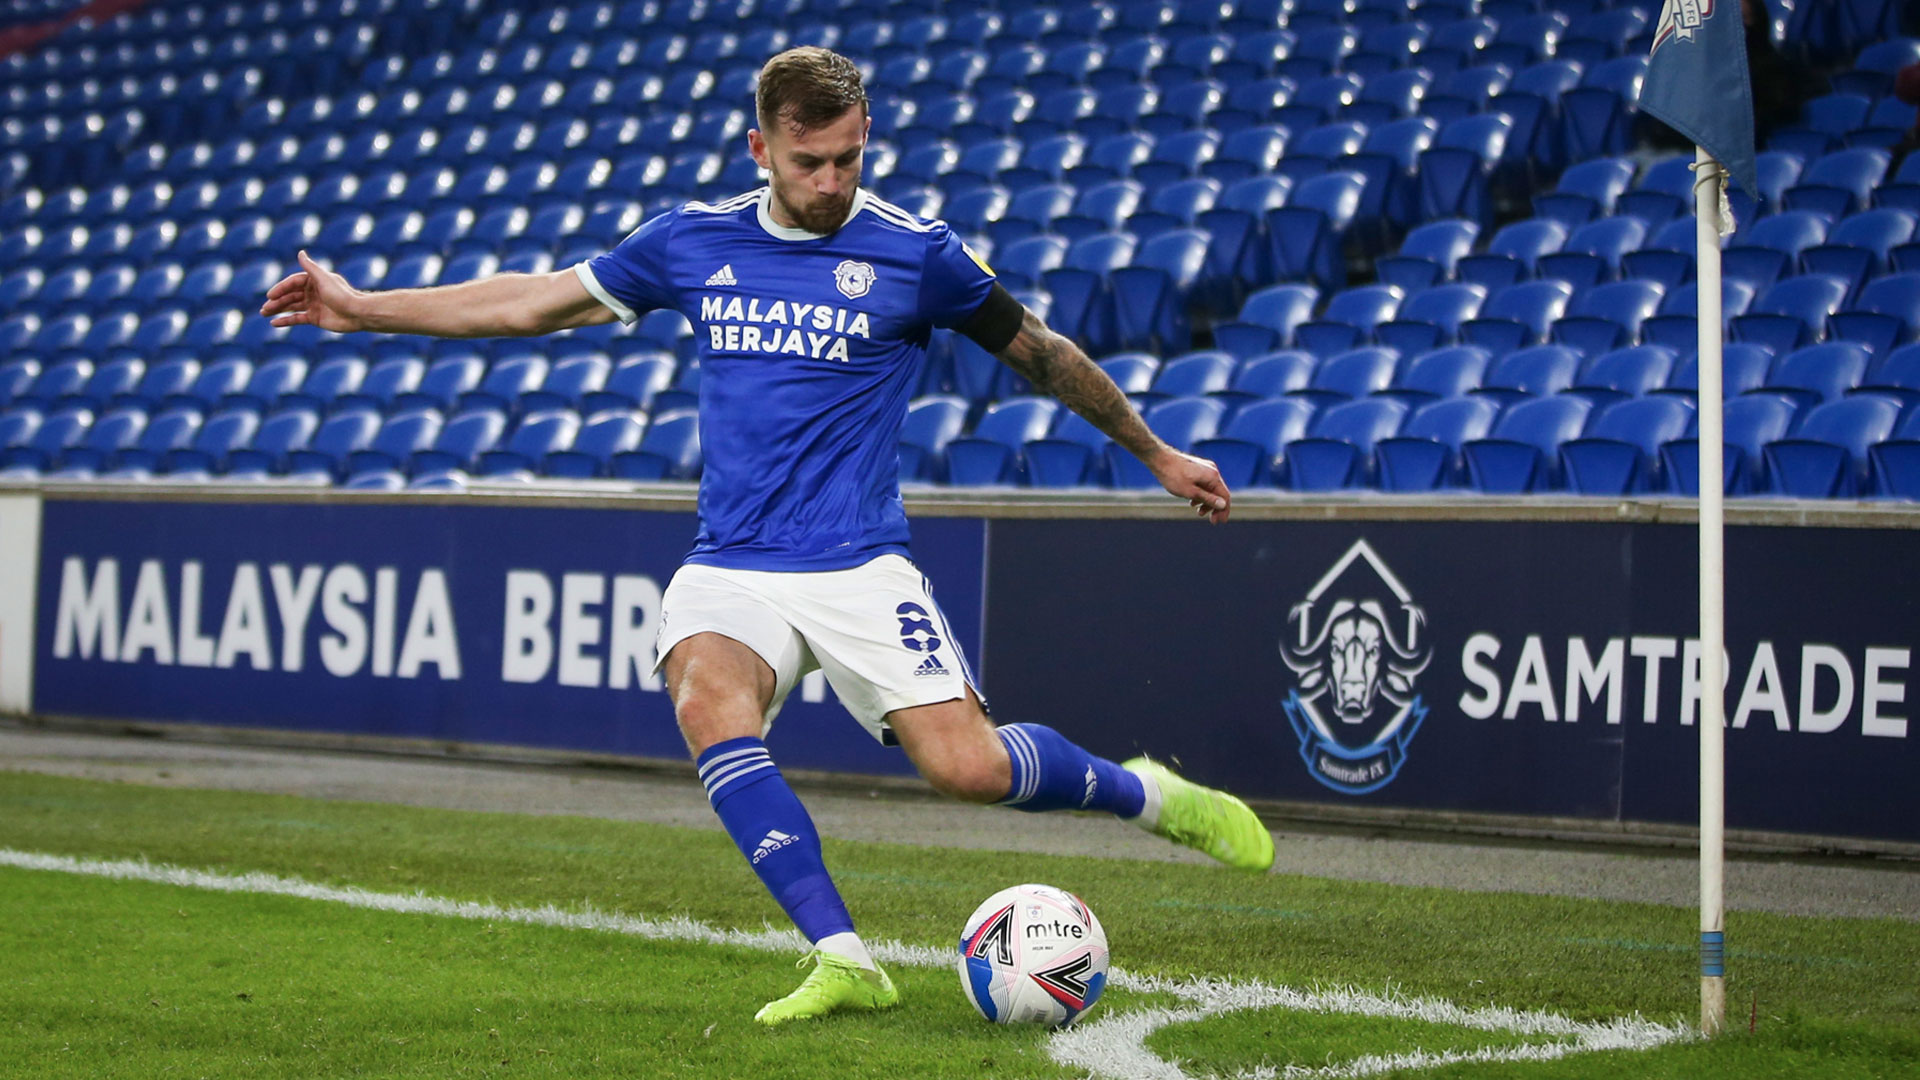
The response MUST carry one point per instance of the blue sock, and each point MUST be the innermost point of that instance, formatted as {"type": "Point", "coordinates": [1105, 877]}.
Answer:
{"type": "Point", "coordinates": [774, 832]}
{"type": "Point", "coordinates": [1050, 773]}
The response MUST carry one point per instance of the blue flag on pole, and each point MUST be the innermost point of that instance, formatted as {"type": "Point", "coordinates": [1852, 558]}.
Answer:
{"type": "Point", "coordinates": [1697, 82]}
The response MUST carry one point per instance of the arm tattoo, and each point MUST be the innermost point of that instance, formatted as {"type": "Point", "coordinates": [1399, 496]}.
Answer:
{"type": "Point", "coordinates": [1056, 366]}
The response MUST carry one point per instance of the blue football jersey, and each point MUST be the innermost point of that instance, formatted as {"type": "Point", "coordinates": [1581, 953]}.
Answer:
{"type": "Point", "coordinates": [810, 347]}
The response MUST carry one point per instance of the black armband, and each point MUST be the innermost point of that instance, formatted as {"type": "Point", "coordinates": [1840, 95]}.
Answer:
{"type": "Point", "coordinates": [994, 323]}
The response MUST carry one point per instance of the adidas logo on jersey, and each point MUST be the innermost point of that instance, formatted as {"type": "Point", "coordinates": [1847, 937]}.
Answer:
{"type": "Point", "coordinates": [774, 841]}
{"type": "Point", "coordinates": [723, 276]}
{"type": "Point", "coordinates": [929, 666]}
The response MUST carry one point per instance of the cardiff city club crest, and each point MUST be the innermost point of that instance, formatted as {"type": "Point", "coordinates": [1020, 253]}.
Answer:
{"type": "Point", "coordinates": [1681, 19]}
{"type": "Point", "coordinates": [853, 279]}
{"type": "Point", "coordinates": [1356, 646]}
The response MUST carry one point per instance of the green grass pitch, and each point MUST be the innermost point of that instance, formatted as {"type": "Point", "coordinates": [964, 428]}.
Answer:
{"type": "Point", "coordinates": [131, 978]}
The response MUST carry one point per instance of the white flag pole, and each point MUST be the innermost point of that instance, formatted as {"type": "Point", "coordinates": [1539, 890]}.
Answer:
{"type": "Point", "coordinates": [1708, 191]}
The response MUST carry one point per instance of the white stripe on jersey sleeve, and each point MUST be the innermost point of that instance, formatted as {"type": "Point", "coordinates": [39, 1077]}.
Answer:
{"type": "Point", "coordinates": [600, 293]}
{"type": "Point", "coordinates": [727, 206]}
{"type": "Point", "coordinates": [896, 215]}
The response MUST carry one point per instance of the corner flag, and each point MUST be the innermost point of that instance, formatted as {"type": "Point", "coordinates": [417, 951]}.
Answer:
{"type": "Point", "coordinates": [1697, 82]}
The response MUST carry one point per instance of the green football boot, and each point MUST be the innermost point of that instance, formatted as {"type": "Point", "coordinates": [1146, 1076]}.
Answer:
{"type": "Point", "coordinates": [1207, 820]}
{"type": "Point", "coordinates": [836, 984]}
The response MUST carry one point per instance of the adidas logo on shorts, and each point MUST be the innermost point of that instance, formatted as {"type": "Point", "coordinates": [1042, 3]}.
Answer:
{"type": "Point", "coordinates": [929, 666]}
{"type": "Point", "coordinates": [774, 841]}
{"type": "Point", "coordinates": [723, 276]}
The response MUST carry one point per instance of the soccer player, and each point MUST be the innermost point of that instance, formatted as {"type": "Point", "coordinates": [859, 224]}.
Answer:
{"type": "Point", "coordinates": [814, 300]}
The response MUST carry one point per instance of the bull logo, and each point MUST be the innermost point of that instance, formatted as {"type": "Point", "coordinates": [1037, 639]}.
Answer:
{"type": "Point", "coordinates": [1355, 647]}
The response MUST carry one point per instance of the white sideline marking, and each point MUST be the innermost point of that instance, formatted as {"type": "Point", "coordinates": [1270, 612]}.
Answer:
{"type": "Point", "coordinates": [1113, 1046]}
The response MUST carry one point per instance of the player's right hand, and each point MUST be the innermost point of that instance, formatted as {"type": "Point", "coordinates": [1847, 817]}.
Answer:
{"type": "Point", "coordinates": [312, 296]}
{"type": "Point", "coordinates": [1196, 480]}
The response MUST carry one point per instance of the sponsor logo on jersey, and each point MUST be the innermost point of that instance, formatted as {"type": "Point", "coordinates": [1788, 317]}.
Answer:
{"type": "Point", "coordinates": [853, 279]}
{"type": "Point", "coordinates": [929, 666]}
{"type": "Point", "coordinates": [723, 276]}
{"type": "Point", "coordinates": [1356, 647]}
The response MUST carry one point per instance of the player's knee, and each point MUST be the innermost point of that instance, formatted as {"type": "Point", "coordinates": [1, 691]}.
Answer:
{"type": "Point", "coordinates": [709, 718]}
{"type": "Point", "coordinates": [969, 778]}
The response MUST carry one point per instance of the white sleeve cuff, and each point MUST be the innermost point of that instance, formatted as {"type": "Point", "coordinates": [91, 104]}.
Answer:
{"type": "Point", "coordinates": [600, 293]}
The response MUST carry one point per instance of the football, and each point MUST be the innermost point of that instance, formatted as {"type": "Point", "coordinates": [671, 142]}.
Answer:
{"type": "Point", "coordinates": [1033, 954]}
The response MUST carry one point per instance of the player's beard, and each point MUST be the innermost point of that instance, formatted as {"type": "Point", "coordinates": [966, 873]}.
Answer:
{"type": "Point", "coordinates": [825, 213]}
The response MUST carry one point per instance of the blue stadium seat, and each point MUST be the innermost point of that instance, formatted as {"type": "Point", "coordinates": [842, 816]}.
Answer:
{"type": "Point", "coordinates": [670, 449]}
{"type": "Point", "coordinates": [603, 435]}
{"type": "Point", "coordinates": [991, 453]}
{"type": "Point", "coordinates": [1425, 455]}
{"type": "Point", "coordinates": [1305, 237]}
{"type": "Point", "coordinates": [1771, 247]}
{"type": "Point", "coordinates": [401, 435]}
{"type": "Point", "coordinates": [280, 433]}
{"type": "Point", "coordinates": [1586, 191]}
{"type": "Point", "coordinates": [1429, 253]}
{"type": "Point", "coordinates": [1861, 246]}
{"type": "Point", "coordinates": [1151, 296]}
{"type": "Point", "coordinates": [633, 384]}
{"type": "Point", "coordinates": [1313, 150]}
{"type": "Point", "coordinates": [1522, 452]}
{"type": "Point", "coordinates": [1251, 442]}
{"type": "Point", "coordinates": [1840, 183]}
{"type": "Point", "coordinates": [1514, 252]}
{"type": "Point", "coordinates": [1193, 374]}
{"type": "Point", "coordinates": [1607, 316]}
{"type": "Point", "coordinates": [1349, 318]}
{"type": "Point", "coordinates": [219, 436]}
{"type": "Point", "coordinates": [1432, 317]}
{"type": "Point", "coordinates": [1356, 373]}
{"type": "Point", "coordinates": [1791, 313]}
{"type": "Point", "coordinates": [1455, 171]}
{"type": "Point", "coordinates": [1439, 373]}
{"type": "Point", "coordinates": [1072, 455]}
{"type": "Point", "coordinates": [1818, 374]}
{"type": "Point", "coordinates": [460, 441]}
{"type": "Point", "coordinates": [931, 423]}
{"type": "Point", "coordinates": [1597, 116]}
{"type": "Point", "coordinates": [567, 383]}
{"type": "Point", "coordinates": [1750, 422]}
{"type": "Point", "coordinates": [1539, 371]}
{"type": "Point", "coordinates": [1627, 372]}
{"type": "Point", "coordinates": [1620, 452]}
{"type": "Point", "coordinates": [49, 439]}
{"type": "Point", "coordinates": [1272, 374]}
{"type": "Point", "coordinates": [1465, 91]}
{"type": "Point", "coordinates": [1665, 192]}
{"type": "Point", "coordinates": [1083, 304]}
{"type": "Point", "coordinates": [1388, 159]}
{"type": "Point", "coordinates": [1268, 319]}
{"type": "Point", "coordinates": [1827, 456]}
{"type": "Point", "coordinates": [1338, 451]}
{"type": "Point", "coordinates": [1885, 316]}
{"type": "Point", "coordinates": [534, 437]}
{"type": "Point", "coordinates": [1532, 103]}
{"type": "Point", "coordinates": [1593, 251]}
{"type": "Point", "coordinates": [1022, 263]}
{"type": "Point", "coordinates": [166, 431]}
{"type": "Point", "coordinates": [111, 432]}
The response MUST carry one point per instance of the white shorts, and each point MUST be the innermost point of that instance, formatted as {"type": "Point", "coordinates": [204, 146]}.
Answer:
{"type": "Point", "coordinates": [875, 630]}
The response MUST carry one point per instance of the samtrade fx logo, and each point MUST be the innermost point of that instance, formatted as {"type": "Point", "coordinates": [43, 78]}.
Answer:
{"type": "Point", "coordinates": [1355, 647]}
{"type": "Point", "coordinates": [1681, 19]}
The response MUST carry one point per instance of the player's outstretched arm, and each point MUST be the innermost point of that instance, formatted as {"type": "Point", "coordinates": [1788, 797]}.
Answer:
{"type": "Point", "coordinates": [1057, 366]}
{"type": "Point", "coordinates": [508, 305]}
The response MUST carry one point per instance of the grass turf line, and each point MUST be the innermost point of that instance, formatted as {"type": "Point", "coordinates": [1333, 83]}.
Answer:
{"type": "Point", "coordinates": [1843, 990]}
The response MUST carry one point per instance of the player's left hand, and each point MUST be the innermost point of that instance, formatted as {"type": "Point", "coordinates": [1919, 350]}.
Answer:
{"type": "Point", "coordinates": [1196, 480]}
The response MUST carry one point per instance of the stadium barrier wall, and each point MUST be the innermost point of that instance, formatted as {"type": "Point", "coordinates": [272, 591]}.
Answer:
{"type": "Point", "coordinates": [1531, 658]}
